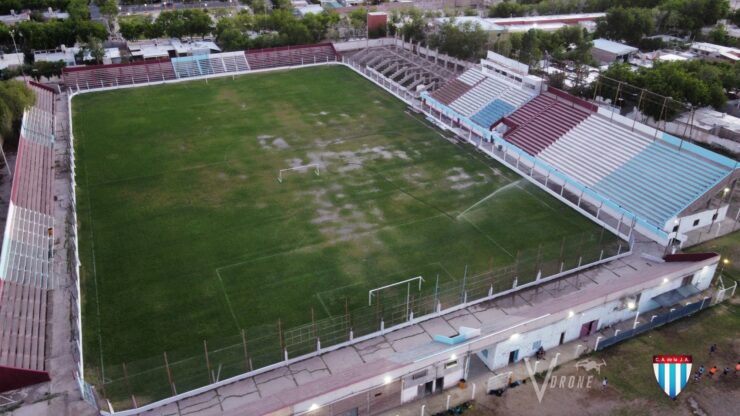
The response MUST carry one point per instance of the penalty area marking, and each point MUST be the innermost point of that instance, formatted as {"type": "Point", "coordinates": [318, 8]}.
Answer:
{"type": "Point", "coordinates": [312, 165]}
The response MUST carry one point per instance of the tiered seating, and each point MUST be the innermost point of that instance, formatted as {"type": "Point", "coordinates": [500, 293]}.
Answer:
{"type": "Point", "coordinates": [23, 326]}
{"type": "Point", "coordinates": [218, 63]}
{"type": "Point", "coordinates": [542, 121]}
{"type": "Point", "coordinates": [32, 181]}
{"type": "Point", "coordinates": [450, 91]}
{"type": "Point", "coordinates": [517, 97]}
{"type": "Point", "coordinates": [649, 177]}
{"type": "Point", "coordinates": [44, 97]}
{"type": "Point", "coordinates": [661, 181]}
{"type": "Point", "coordinates": [471, 76]}
{"type": "Point", "coordinates": [26, 257]}
{"type": "Point", "coordinates": [492, 113]}
{"type": "Point", "coordinates": [477, 97]}
{"type": "Point", "coordinates": [594, 149]}
{"type": "Point", "coordinates": [99, 76]}
{"type": "Point", "coordinates": [291, 56]}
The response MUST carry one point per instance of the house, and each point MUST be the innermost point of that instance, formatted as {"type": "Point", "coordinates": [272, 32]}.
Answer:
{"type": "Point", "coordinates": [14, 18]}
{"type": "Point", "coordinates": [712, 52]}
{"type": "Point", "coordinates": [8, 60]}
{"type": "Point", "coordinates": [311, 8]}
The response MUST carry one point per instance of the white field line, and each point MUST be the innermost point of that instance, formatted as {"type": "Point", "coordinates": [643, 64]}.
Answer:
{"type": "Point", "coordinates": [491, 239]}
{"type": "Point", "coordinates": [95, 275]}
{"type": "Point", "coordinates": [491, 195]}
{"type": "Point", "coordinates": [228, 301]}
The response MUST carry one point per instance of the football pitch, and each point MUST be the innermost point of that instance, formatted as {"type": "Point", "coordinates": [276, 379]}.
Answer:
{"type": "Point", "coordinates": [186, 233]}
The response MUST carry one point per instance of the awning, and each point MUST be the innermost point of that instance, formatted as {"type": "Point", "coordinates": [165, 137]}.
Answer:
{"type": "Point", "coordinates": [675, 296]}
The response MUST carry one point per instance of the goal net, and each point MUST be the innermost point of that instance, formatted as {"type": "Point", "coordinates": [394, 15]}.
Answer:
{"type": "Point", "coordinates": [312, 166]}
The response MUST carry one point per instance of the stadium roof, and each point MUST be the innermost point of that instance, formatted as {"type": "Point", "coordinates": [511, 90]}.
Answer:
{"type": "Point", "coordinates": [613, 47]}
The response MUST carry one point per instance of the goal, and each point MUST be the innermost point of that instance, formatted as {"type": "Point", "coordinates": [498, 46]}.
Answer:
{"type": "Point", "coordinates": [315, 167]}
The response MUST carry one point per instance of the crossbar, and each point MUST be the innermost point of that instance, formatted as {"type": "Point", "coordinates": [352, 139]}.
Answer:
{"type": "Point", "coordinates": [315, 165]}
{"type": "Point", "coordinates": [371, 291]}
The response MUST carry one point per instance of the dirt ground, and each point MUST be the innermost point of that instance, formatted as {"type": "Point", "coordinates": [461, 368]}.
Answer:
{"type": "Point", "coordinates": [632, 389]}
{"type": "Point", "coordinates": [719, 397]}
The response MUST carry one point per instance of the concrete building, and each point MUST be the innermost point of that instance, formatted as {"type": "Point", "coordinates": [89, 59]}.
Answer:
{"type": "Point", "coordinates": [13, 18]}
{"type": "Point", "coordinates": [9, 60]}
{"type": "Point", "coordinates": [64, 54]}
{"type": "Point", "coordinates": [166, 48]}
{"type": "Point", "coordinates": [311, 8]}
{"type": "Point", "coordinates": [524, 24]}
{"type": "Point", "coordinates": [548, 23]}
{"type": "Point", "coordinates": [714, 52]}
{"type": "Point", "coordinates": [607, 51]}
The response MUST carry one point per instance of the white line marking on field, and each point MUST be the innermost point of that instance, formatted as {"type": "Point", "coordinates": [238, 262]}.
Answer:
{"type": "Point", "coordinates": [321, 301]}
{"type": "Point", "coordinates": [228, 301]}
{"type": "Point", "coordinates": [95, 274]}
{"type": "Point", "coordinates": [489, 238]}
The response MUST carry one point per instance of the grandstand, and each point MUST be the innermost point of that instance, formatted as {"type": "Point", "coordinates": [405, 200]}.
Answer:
{"type": "Point", "coordinates": [101, 76]}
{"type": "Point", "coordinates": [405, 66]}
{"type": "Point", "coordinates": [146, 72]}
{"type": "Point", "coordinates": [26, 259]}
{"type": "Point", "coordinates": [649, 176]}
{"type": "Point", "coordinates": [209, 64]}
{"type": "Point", "coordinates": [291, 56]}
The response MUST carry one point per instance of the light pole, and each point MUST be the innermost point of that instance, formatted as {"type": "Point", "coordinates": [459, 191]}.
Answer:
{"type": "Point", "coordinates": [725, 261]}
{"type": "Point", "coordinates": [12, 36]}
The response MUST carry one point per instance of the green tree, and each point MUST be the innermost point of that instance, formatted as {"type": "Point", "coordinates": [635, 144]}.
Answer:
{"type": "Point", "coordinates": [508, 8]}
{"type": "Point", "coordinates": [196, 22]}
{"type": "Point", "coordinates": [627, 24]}
{"type": "Point", "coordinates": [465, 41]}
{"type": "Point", "coordinates": [15, 97]}
{"type": "Point", "coordinates": [109, 9]}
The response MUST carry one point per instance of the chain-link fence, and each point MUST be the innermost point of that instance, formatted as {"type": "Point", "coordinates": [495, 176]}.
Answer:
{"type": "Point", "coordinates": [132, 384]}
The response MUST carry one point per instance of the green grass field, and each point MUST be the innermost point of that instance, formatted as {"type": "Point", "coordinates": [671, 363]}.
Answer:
{"type": "Point", "coordinates": [186, 233]}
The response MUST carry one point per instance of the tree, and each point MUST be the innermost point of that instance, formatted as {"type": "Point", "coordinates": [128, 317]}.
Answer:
{"type": "Point", "coordinates": [196, 22]}
{"type": "Point", "coordinates": [691, 15]}
{"type": "Point", "coordinates": [93, 47]}
{"type": "Point", "coordinates": [508, 9]}
{"type": "Point", "coordinates": [698, 82]}
{"type": "Point", "coordinates": [15, 97]}
{"type": "Point", "coordinates": [465, 41]}
{"type": "Point", "coordinates": [258, 6]}
{"type": "Point", "coordinates": [627, 24]}
{"type": "Point", "coordinates": [109, 9]}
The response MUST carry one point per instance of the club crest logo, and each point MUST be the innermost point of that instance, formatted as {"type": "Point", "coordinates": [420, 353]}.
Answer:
{"type": "Point", "coordinates": [672, 372]}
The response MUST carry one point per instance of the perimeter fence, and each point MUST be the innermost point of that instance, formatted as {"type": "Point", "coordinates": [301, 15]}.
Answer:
{"type": "Point", "coordinates": [261, 348]}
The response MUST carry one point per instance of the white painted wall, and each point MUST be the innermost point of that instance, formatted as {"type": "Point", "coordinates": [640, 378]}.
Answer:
{"type": "Point", "coordinates": [408, 394]}
{"type": "Point", "coordinates": [686, 223]}
{"type": "Point", "coordinates": [452, 378]}
{"type": "Point", "coordinates": [607, 314]}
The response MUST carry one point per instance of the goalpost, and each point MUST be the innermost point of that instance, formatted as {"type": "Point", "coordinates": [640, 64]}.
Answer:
{"type": "Point", "coordinates": [312, 165]}
{"type": "Point", "coordinates": [371, 292]}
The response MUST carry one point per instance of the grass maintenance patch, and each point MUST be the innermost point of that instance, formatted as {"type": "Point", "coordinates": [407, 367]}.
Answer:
{"type": "Point", "coordinates": [186, 233]}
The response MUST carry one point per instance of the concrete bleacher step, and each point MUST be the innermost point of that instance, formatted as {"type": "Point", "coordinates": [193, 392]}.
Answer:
{"type": "Point", "coordinates": [23, 326]}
